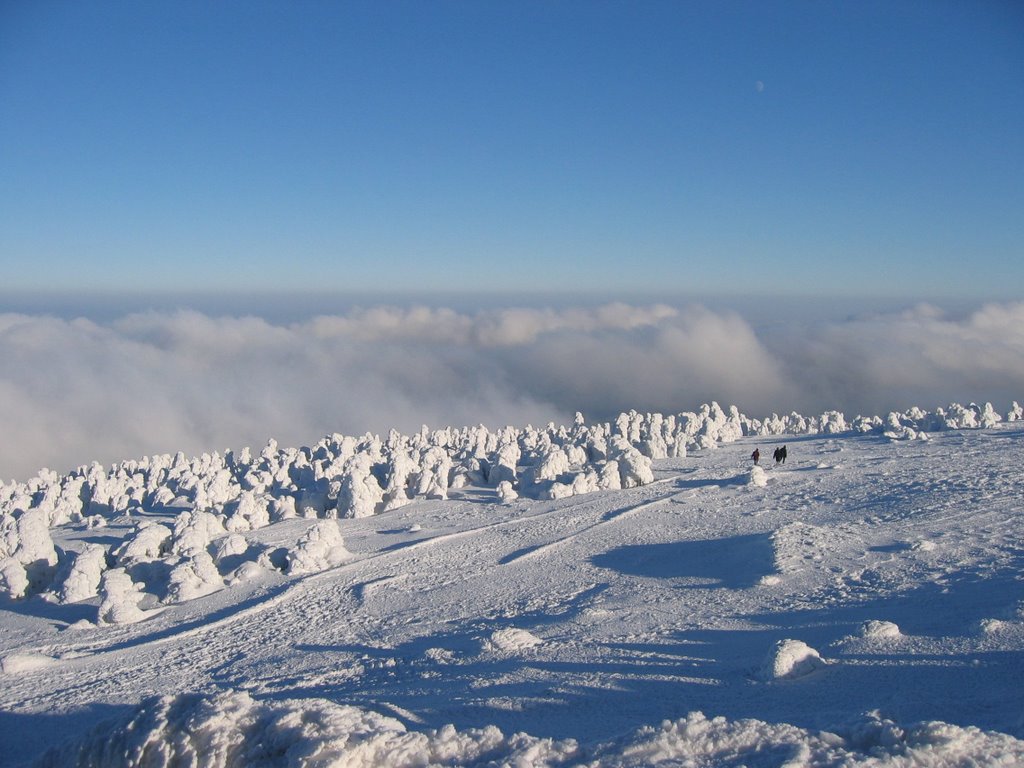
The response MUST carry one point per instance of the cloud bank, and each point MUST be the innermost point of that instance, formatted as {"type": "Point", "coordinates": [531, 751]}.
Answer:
{"type": "Point", "coordinates": [158, 382]}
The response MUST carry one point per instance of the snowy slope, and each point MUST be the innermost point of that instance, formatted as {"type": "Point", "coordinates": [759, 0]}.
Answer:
{"type": "Point", "coordinates": [838, 610]}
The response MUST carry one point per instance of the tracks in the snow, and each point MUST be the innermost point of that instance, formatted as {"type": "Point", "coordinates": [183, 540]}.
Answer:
{"type": "Point", "coordinates": [291, 594]}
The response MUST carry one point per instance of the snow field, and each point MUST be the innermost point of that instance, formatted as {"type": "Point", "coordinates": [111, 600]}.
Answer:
{"type": "Point", "coordinates": [865, 575]}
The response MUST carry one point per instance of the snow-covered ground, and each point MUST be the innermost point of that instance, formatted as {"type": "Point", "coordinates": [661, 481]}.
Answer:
{"type": "Point", "coordinates": [860, 604]}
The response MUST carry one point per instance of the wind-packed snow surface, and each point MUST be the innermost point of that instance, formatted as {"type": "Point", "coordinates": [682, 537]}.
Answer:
{"type": "Point", "coordinates": [623, 594]}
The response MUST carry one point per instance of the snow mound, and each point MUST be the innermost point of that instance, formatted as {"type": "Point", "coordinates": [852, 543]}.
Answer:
{"type": "Point", "coordinates": [511, 640]}
{"type": "Point", "coordinates": [790, 659]}
{"type": "Point", "coordinates": [757, 477]}
{"type": "Point", "coordinates": [993, 626]}
{"type": "Point", "coordinates": [880, 630]}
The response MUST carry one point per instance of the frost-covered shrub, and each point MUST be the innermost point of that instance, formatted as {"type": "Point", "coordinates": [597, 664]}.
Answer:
{"type": "Point", "coordinates": [1016, 413]}
{"type": "Point", "coordinates": [216, 487]}
{"type": "Point", "coordinates": [13, 579]}
{"type": "Point", "coordinates": [506, 493]}
{"type": "Point", "coordinates": [586, 482]}
{"type": "Point", "coordinates": [231, 545]}
{"type": "Point", "coordinates": [597, 445]}
{"type": "Point", "coordinates": [801, 425]}
{"type": "Point", "coordinates": [833, 423]}
{"type": "Point", "coordinates": [960, 417]}
{"type": "Point", "coordinates": [435, 466]}
{"type": "Point", "coordinates": [634, 468]}
{"type": "Point", "coordinates": [320, 548]}
{"type": "Point", "coordinates": [119, 598]}
{"type": "Point", "coordinates": [732, 429]}
{"type": "Point", "coordinates": [150, 542]}
{"type": "Point", "coordinates": [714, 426]}
{"type": "Point", "coordinates": [866, 424]}
{"type": "Point", "coordinates": [553, 464]}
{"type": "Point", "coordinates": [988, 417]}
{"type": "Point", "coordinates": [162, 497]}
{"type": "Point", "coordinates": [401, 468]}
{"type": "Point", "coordinates": [282, 508]}
{"type": "Point", "coordinates": [559, 491]}
{"type": "Point", "coordinates": [504, 464]}
{"type": "Point", "coordinates": [577, 455]}
{"type": "Point", "coordinates": [676, 439]}
{"type": "Point", "coordinates": [25, 538]}
{"type": "Point", "coordinates": [247, 571]}
{"type": "Point", "coordinates": [773, 425]}
{"type": "Point", "coordinates": [360, 495]}
{"type": "Point", "coordinates": [193, 532]}
{"type": "Point", "coordinates": [896, 428]}
{"type": "Point", "coordinates": [85, 574]}
{"type": "Point", "coordinates": [654, 447]}
{"type": "Point", "coordinates": [248, 513]}
{"type": "Point", "coordinates": [231, 729]}
{"type": "Point", "coordinates": [464, 475]}
{"type": "Point", "coordinates": [63, 500]}
{"type": "Point", "coordinates": [312, 501]}
{"type": "Point", "coordinates": [610, 479]}
{"type": "Point", "coordinates": [195, 576]}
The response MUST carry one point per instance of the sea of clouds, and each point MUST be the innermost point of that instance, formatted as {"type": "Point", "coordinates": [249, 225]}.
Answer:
{"type": "Point", "coordinates": [77, 390]}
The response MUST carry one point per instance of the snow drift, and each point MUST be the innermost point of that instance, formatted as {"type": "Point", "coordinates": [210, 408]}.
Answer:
{"type": "Point", "coordinates": [231, 730]}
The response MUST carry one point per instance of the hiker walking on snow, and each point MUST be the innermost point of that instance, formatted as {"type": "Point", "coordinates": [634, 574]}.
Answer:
{"type": "Point", "coordinates": [781, 455]}
{"type": "Point", "coordinates": [756, 455]}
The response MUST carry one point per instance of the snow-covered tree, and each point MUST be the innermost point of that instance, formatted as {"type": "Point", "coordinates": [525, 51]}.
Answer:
{"type": "Point", "coordinates": [321, 547]}
{"type": "Point", "coordinates": [85, 574]}
{"type": "Point", "coordinates": [119, 598]}
{"type": "Point", "coordinates": [360, 494]}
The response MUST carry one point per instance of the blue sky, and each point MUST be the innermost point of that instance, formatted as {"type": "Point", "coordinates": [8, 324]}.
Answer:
{"type": "Point", "coordinates": [858, 148]}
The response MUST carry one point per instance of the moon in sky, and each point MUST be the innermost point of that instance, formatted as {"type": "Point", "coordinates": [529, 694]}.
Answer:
{"type": "Point", "coordinates": [760, 86]}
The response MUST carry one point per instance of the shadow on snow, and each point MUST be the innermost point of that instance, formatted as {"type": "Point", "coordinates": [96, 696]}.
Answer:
{"type": "Point", "coordinates": [737, 562]}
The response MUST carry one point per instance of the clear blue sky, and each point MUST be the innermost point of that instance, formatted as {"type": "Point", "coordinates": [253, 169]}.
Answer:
{"type": "Point", "coordinates": [752, 147]}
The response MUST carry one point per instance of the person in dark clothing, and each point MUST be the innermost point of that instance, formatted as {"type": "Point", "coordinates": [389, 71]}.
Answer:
{"type": "Point", "coordinates": [776, 455]}
{"type": "Point", "coordinates": [756, 455]}
{"type": "Point", "coordinates": [782, 454]}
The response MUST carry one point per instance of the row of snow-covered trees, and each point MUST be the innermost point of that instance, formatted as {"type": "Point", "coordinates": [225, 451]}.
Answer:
{"type": "Point", "coordinates": [216, 498]}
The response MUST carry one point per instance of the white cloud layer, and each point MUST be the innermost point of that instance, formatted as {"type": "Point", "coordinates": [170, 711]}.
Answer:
{"type": "Point", "coordinates": [76, 391]}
